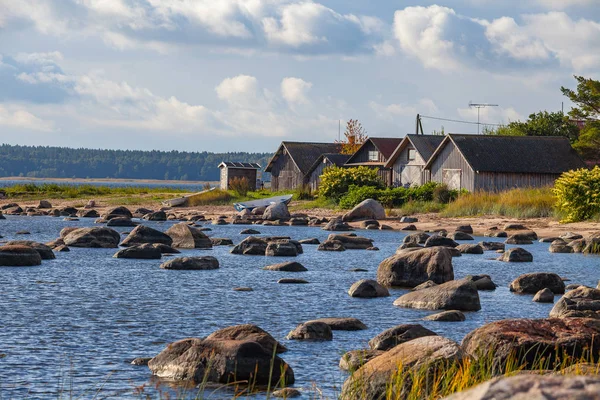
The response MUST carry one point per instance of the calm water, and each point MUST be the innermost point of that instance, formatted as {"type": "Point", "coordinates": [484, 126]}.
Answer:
{"type": "Point", "coordinates": [193, 187]}
{"type": "Point", "coordinates": [77, 320]}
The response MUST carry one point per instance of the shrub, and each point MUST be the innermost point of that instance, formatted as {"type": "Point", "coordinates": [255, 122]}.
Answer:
{"type": "Point", "coordinates": [578, 194]}
{"type": "Point", "coordinates": [395, 197]}
{"type": "Point", "coordinates": [335, 181]}
{"type": "Point", "coordinates": [357, 194]}
{"type": "Point", "coordinates": [241, 186]}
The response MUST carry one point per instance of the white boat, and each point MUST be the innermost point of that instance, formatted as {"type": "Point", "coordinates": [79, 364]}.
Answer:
{"type": "Point", "coordinates": [181, 201]}
{"type": "Point", "coordinates": [250, 205]}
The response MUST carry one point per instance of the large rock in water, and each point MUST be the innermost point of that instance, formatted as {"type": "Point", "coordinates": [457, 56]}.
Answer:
{"type": "Point", "coordinates": [454, 295]}
{"type": "Point", "coordinates": [281, 249]}
{"type": "Point", "coordinates": [536, 281]}
{"type": "Point", "coordinates": [19, 256]}
{"type": "Point", "coordinates": [290, 266]}
{"type": "Point", "coordinates": [392, 337]}
{"type": "Point", "coordinates": [535, 387]}
{"type": "Point", "coordinates": [248, 332]}
{"type": "Point", "coordinates": [188, 237]}
{"type": "Point", "coordinates": [93, 237]}
{"type": "Point", "coordinates": [251, 245]}
{"type": "Point", "coordinates": [276, 211]}
{"type": "Point", "coordinates": [342, 324]}
{"type": "Point", "coordinates": [220, 361]}
{"type": "Point", "coordinates": [580, 302]}
{"type": "Point", "coordinates": [368, 209]}
{"type": "Point", "coordinates": [351, 242]}
{"type": "Point", "coordinates": [376, 379]}
{"type": "Point", "coordinates": [367, 288]}
{"type": "Point", "coordinates": [191, 263]}
{"type": "Point", "coordinates": [117, 212]}
{"type": "Point", "coordinates": [311, 330]}
{"type": "Point", "coordinates": [337, 225]}
{"type": "Point", "coordinates": [144, 234]}
{"type": "Point", "coordinates": [516, 254]}
{"type": "Point", "coordinates": [143, 252]}
{"type": "Point", "coordinates": [438, 240]}
{"type": "Point", "coordinates": [525, 341]}
{"type": "Point", "coordinates": [45, 251]}
{"type": "Point", "coordinates": [409, 269]}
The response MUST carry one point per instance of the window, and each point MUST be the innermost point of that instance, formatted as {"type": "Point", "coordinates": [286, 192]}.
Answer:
{"type": "Point", "coordinates": [412, 154]}
{"type": "Point", "coordinates": [373, 155]}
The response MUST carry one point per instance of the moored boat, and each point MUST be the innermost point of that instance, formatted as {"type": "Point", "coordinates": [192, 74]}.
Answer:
{"type": "Point", "coordinates": [250, 205]}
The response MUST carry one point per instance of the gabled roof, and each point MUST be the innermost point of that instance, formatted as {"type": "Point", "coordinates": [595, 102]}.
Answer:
{"type": "Point", "coordinates": [385, 146]}
{"type": "Point", "coordinates": [243, 165]}
{"type": "Point", "coordinates": [303, 154]}
{"type": "Point", "coordinates": [425, 145]}
{"type": "Point", "coordinates": [336, 159]}
{"type": "Point", "coordinates": [514, 154]}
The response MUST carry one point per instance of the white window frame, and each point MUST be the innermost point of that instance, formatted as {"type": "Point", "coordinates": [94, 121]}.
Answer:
{"type": "Point", "coordinates": [414, 153]}
{"type": "Point", "coordinates": [373, 155]}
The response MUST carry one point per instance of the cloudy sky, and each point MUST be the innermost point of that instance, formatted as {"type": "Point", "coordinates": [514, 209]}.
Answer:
{"type": "Point", "coordinates": [242, 75]}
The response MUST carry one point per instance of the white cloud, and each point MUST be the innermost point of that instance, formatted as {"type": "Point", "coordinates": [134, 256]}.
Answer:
{"type": "Point", "coordinates": [561, 4]}
{"type": "Point", "coordinates": [241, 90]}
{"type": "Point", "coordinates": [294, 90]}
{"type": "Point", "coordinates": [514, 40]}
{"type": "Point", "coordinates": [491, 115]}
{"type": "Point", "coordinates": [19, 118]}
{"type": "Point", "coordinates": [391, 111]}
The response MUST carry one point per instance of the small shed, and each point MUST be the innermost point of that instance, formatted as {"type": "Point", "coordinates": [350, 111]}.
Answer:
{"type": "Point", "coordinates": [231, 170]}
{"type": "Point", "coordinates": [497, 163]}
{"type": "Point", "coordinates": [375, 153]}
{"type": "Point", "coordinates": [324, 161]}
{"type": "Point", "coordinates": [410, 157]}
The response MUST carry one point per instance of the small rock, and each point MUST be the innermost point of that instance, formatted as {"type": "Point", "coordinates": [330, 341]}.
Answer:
{"type": "Point", "coordinates": [291, 281]}
{"type": "Point", "coordinates": [544, 296]}
{"type": "Point", "coordinates": [287, 393]}
{"type": "Point", "coordinates": [290, 266]}
{"type": "Point", "coordinates": [311, 330]}
{"type": "Point", "coordinates": [141, 361]}
{"type": "Point", "coordinates": [367, 288]}
{"type": "Point", "coordinates": [243, 289]}
{"type": "Point", "coordinates": [447, 316]}
{"type": "Point", "coordinates": [249, 232]}
{"type": "Point", "coordinates": [516, 254]}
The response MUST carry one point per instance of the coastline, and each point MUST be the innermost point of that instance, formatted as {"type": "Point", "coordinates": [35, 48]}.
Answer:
{"type": "Point", "coordinates": [107, 180]}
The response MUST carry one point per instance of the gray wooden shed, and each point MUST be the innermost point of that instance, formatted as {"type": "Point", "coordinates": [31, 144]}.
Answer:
{"type": "Point", "coordinates": [231, 170]}
{"type": "Point", "coordinates": [409, 158]}
{"type": "Point", "coordinates": [497, 163]}
{"type": "Point", "coordinates": [324, 161]}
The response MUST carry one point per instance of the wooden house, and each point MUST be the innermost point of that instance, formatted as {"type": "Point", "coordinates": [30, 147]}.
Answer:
{"type": "Point", "coordinates": [324, 161]}
{"type": "Point", "coordinates": [290, 165]}
{"type": "Point", "coordinates": [231, 170]}
{"type": "Point", "coordinates": [497, 163]}
{"type": "Point", "coordinates": [375, 152]}
{"type": "Point", "coordinates": [407, 161]}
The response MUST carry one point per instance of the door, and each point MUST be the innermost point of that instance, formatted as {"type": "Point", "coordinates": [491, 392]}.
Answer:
{"type": "Point", "coordinates": [452, 178]}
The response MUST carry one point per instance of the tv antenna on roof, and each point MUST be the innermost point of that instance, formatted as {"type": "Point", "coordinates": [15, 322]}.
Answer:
{"type": "Point", "coordinates": [479, 106]}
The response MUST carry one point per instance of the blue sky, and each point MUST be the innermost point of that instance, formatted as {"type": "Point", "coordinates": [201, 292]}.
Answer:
{"type": "Point", "coordinates": [242, 75]}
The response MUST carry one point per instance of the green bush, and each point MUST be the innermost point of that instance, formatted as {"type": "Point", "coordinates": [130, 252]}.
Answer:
{"type": "Point", "coordinates": [578, 194]}
{"type": "Point", "coordinates": [335, 181]}
{"type": "Point", "coordinates": [395, 197]}
{"type": "Point", "coordinates": [357, 194]}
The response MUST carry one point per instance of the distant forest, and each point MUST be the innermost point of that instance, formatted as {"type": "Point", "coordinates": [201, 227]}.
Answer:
{"type": "Point", "coordinates": [62, 162]}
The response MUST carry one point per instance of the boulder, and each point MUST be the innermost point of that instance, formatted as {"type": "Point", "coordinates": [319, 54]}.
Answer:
{"type": "Point", "coordinates": [331, 245]}
{"type": "Point", "coordinates": [251, 245]}
{"type": "Point", "coordinates": [353, 360]}
{"type": "Point", "coordinates": [409, 269]}
{"type": "Point", "coordinates": [369, 224]}
{"type": "Point", "coordinates": [592, 244]}
{"type": "Point", "coordinates": [92, 237]}
{"type": "Point", "coordinates": [461, 236]}
{"type": "Point", "coordinates": [544, 296]}
{"type": "Point", "coordinates": [19, 256]}
{"type": "Point", "coordinates": [221, 241]}
{"type": "Point", "coordinates": [118, 212]}
{"type": "Point", "coordinates": [580, 302]}
{"type": "Point", "coordinates": [61, 249]}
{"type": "Point", "coordinates": [121, 222]}
{"type": "Point", "coordinates": [290, 266]}
{"type": "Point", "coordinates": [251, 333]}
{"type": "Point", "coordinates": [44, 204]}
{"type": "Point", "coordinates": [88, 213]}
{"type": "Point", "coordinates": [311, 330]}
{"type": "Point", "coordinates": [188, 237]}
{"type": "Point", "coordinates": [525, 341]}
{"type": "Point", "coordinates": [143, 251]}
{"type": "Point", "coordinates": [464, 229]}
{"type": "Point", "coordinates": [447, 316]}
{"type": "Point", "coordinates": [367, 209]}
{"type": "Point", "coordinates": [408, 245]}
{"type": "Point", "coordinates": [578, 245]}
{"type": "Point", "coordinates": [417, 238]}
{"type": "Point", "coordinates": [570, 236]}
{"type": "Point", "coordinates": [164, 249]}
{"type": "Point", "coordinates": [534, 282]}
{"type": "Point", "coordinates": [296, 221]}
{"type": "Point", "coordinates": [514, 227]}
{"type": "Point", "coordinates": [560, 246]}
{"type": "Point", "coordinates": [492, 246]}
{"type": "Point", "coordinates": [409, 220]}
{"type": "Point", "coordinates": [337, 225]}
{"type": "Point", "coordinates": [276, 211]}
{"type": "Point", "coordinates": [141, 361]}
{"type": "Point", "coordinates": [470, 249]}
{"type": "Point", "coordinates": [249, 232]}
{"type": "Point", "coordinates": [409, 227]}
{"type": "Point", "coordinates": [495, 233]}
{"type": "Point", "coordinates": [352, 242]}
{"type": "Point", "coordinates": [65, 231]}
{"type": "Point", "coordinates": [532, 386]}
{"type": "Point", "coordinates": [549, 239]}
{"type": "Point", "coordinates": [281, 249]}
{"type": "Point", "coordinates": [518, 239]}
{"type": "Point", "coordinates": [156, 216]}
{"type": "Point", "coordinates": [392, 337]}
{"type": "Point", "coordinates": [454, 295]}
{"type": "Point", "coordinates": [259, 210]}
{"type": "Point", "coordinates": [292, 281]}
{"type": "Point", "coordinates": [375, 379]}
{"type": "Point", "coordinates": [342, 324]}
{"type": "Point", "coordinates": [142, 234]}
{"type": "Point", "coordinates": [220, 361]}
{"type": "Point", "coordinates": [45, 251]}
{"type": "Point", "coordinates": [424, 285]}
{"type": "Point", "coordinates": [287, 393]}
{"type": "Point", "coordinates": [516, 254]}
{"type": "Point", "coordinates": [311, 241]}
{"type": "Point", "coordinates": [191, 263]}
{"type": "Point", "coordinates": [437, 240]}
{"type": "Point", "coordinates": [482, 282]}
{"type": "Point", "coordinates": [367, 288]}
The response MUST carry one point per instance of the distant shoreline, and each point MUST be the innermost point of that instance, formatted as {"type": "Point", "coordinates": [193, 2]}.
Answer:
{"type": "Point", "coordinates": [106, 180]}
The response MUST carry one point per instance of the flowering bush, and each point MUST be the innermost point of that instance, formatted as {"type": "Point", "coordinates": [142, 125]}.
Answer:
{"type": "Point", "coordinates": [578, 194]}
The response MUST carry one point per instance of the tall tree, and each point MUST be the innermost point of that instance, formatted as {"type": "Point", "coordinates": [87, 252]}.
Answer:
{"type": "Point", "coordinates": [543, 123]}
{"type": "Point", "coordinates": [354, 137]}
{"type": "Point", "coordinates": [586, 98]}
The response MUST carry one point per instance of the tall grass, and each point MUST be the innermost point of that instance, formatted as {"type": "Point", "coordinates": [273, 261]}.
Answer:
{"type": "Point", "coordinates": [516, 203]}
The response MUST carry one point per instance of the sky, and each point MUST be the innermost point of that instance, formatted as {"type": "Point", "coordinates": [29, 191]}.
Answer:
{"type": "Point", "coordinates": [243, 75]}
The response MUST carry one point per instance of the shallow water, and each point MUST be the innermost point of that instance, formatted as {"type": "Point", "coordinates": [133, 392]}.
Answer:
{"type": "Point", "coordinates": [69, 327]}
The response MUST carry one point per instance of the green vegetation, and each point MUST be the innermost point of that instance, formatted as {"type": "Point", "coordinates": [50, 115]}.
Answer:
{"type": "Point", "coordinates": [335, 181]}
{"type": "Point", "coordinates": [578, 194]}
{"type": "Point", "coordinates": [543, 123]}
{"type": "Point", "coordinates": [61, 162]}
{"type": "Point", "coordinates": [58, 191]}
{"type": "Point", "coordinates": [398, 197]}
{"type": "Point", "coordinates": [515, 203]}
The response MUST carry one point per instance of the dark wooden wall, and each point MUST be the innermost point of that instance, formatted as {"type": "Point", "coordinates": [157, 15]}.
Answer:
{"type": "Point", "coordinates": [285, 174]}
{"type": "Point", "coordinates": [497, 181]}
{"type": "Point", "coordinates": [362, 156]}
{"type": "Point", "coordinates": [450, 158]}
